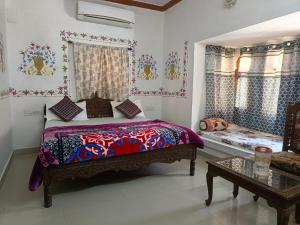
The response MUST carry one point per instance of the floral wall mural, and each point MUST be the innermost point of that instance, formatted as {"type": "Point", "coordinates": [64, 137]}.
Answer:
{"type": "Point", "coordinates": [174, 72]}
{"type": "Point", "coordinates": [173, 66]}
{"type": "Point", "coordinates": [38, 60]}
{"type": "Point", "coordinates": [2, 54]}
{"type": "Point", "coordinates": [147, 68]}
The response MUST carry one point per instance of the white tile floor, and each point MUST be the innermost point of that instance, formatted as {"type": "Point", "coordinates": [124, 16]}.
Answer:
{"type": "Point", "coordinates": [160, 194]}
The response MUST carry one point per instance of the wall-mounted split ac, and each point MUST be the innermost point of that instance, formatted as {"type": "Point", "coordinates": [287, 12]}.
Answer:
{"type": "Point", "coordinates": [103, 14]}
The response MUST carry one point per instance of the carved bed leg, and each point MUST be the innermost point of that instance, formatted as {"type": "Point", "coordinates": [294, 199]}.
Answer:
{"type": "Point", "coordinates": [47, 191]}
{"type": "Point", "coordinates": [47, 196]}
{"type": "Point", "coordinates": [192, 167]}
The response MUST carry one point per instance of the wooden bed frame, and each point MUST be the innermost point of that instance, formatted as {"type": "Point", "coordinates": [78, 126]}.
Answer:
{"type": "Point", "coordinates": [97, 107]}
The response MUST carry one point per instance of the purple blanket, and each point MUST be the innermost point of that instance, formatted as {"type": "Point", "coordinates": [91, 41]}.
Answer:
{"type": "Point", "coordinates": [72, 144]}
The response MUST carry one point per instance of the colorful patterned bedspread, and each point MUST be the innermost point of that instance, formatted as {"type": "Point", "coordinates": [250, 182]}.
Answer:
{"type": "Point", "coordinates": [245, 138]}
{"type": "Point", "coordinates": [72, 144]}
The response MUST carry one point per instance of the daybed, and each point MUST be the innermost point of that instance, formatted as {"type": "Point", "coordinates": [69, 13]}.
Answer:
{"type": "Point", "coordinates": [241, 139]}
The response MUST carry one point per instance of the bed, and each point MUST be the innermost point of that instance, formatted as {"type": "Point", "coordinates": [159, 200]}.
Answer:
{"type": "Point", "coordinates": [83, 149]}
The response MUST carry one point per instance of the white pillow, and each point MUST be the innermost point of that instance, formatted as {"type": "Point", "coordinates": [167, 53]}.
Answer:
{"type": "Point", "coordinates": [118, 114]}
{"type": "Point", "coordinates": [81, 116]}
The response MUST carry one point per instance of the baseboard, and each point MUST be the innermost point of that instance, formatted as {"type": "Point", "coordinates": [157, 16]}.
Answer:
{"type": "Point", "coordinates": [213, 153]}
{"type": "Point", "coordinates": [11, 156]}
{"type": "Point", "coordinates": [5, 169]}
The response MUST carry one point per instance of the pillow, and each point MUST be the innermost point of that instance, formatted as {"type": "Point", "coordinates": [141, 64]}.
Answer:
{"type": "Point", "coordinates": [213, 124]}
{"type": "Point", "coordinates": [66, 109]}
{"type": "Point", "coordinates": [118, 114]}
{"type": "Point", "coordinates": [81, 116]}
{"type": "Point", "coordinates": [128, 108]}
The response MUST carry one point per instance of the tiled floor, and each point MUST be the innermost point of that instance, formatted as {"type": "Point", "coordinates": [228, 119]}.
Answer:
{"type": "Point", "coordinates": [160, 194]}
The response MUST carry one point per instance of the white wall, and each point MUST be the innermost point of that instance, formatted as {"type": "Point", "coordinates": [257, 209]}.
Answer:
{"type": "Point", "coordinates": [193, 21]}
{"type": "Point", "coordinates": [157, 34]}
{"type": "Point", "coordinates": [41, 21]}
{"type": "Point", "coordinates": [278, 30]}
{"type": "Point", "coordinates": [199, 87]}
{"type": "Point", "coordinates": [5, 112]}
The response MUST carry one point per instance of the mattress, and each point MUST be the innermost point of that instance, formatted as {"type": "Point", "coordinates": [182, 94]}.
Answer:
{"type": "Point", "coordinates": [245, 138]}
{"type": "Point", "coordinates": [93, 121]}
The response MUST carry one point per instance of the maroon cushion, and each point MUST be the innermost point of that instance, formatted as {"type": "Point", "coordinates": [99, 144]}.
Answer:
{"type": "Point", "coordinates": [128, 108]}
{"type": "Point", "coordinates": [66, 109]}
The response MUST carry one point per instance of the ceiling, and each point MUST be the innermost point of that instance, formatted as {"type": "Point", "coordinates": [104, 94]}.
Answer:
{"type": "Point", "coordinates": [155, 2]}
{"type": "Point", "coordinates": [274, 31]}
{"type": "Point", "coordinates": [158, 5]}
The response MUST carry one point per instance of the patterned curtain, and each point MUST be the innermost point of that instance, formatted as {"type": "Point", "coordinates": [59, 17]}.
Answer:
{"type": "Point", "coordinates": [220, 67]}
{"type": "Point", "coordinates": [290, 81]}
{"type": "Point", "coordinates": [258, 88]}
{"type": "Point", "coordinates": [101, 69]}
{"type": "Point", "coordinates": [268, 79]}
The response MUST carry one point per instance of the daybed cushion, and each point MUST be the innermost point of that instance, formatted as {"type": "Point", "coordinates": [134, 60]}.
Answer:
{"type": "Point", "coordinates": [213, 124]}
{"type": "Point", "coordinates": [245, 138]}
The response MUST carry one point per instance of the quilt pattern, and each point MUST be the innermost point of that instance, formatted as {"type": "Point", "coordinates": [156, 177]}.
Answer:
{"type": "Point", "coordinates": [73, 144]}
{"type": "Point", "coordinates": [109, 142]}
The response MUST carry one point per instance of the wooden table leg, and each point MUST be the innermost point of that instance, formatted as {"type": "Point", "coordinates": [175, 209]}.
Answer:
{"type": "Point", "coordinates": [255, 197]}
{"type": "Point", "coordinates": [235, 190]}
{"type": "Point", "coordinates": [209, 180]}
{"type": "Point", "coordinates": [297, 213]}
{"type": "Point", "coordinates": [283, 216]}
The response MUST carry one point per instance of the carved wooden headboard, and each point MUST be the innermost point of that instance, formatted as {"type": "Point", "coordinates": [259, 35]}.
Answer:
{"type": "Point", "coordinates": [98, 107]}
{"type": "Point", "coordinates": [291, 141]}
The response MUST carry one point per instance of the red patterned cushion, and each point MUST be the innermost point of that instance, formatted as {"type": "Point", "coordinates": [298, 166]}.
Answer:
{"type": "Point", "coordinates": [128, 108]}
{"type": "Point", "coordinates": [66, 109]}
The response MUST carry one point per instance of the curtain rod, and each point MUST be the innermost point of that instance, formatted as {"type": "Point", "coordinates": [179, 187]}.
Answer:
{"type": "Point", "coordinates": [72, 42]}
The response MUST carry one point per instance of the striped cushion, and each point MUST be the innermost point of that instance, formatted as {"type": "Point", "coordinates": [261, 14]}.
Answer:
{"type": "Point", "coordinates": [128, 108]}
{"type": "Point", "coordinates": [287, 161]}
{"type": "Point", "coordinates": [66, 109]}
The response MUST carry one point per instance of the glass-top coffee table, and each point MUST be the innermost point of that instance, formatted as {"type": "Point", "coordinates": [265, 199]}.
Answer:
{"type": "Point", "coordinates": [280, 189]}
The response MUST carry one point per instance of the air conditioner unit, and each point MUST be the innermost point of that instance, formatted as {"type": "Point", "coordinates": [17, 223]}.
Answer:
{"type": "Point", "coordinates": [97, 13]}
